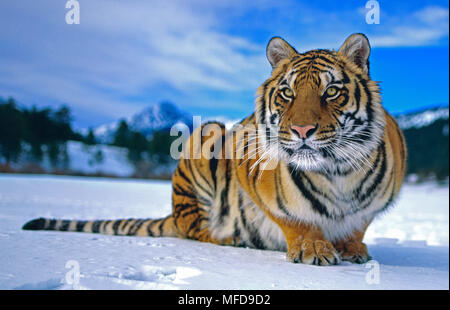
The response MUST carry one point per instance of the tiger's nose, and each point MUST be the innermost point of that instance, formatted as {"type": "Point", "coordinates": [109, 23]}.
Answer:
{"type": "Point", "coordinates": [304, 131]}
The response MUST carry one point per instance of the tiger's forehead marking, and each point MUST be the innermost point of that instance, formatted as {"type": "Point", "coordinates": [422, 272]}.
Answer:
{"type": "Point", "coordinates": [314, 58]}
{"type": "Point", "coordinates": [290, 77]}
{"type": "Point", "coordinates": [318, 66]}
{"type": "Point", "coordinates": [333, 77]}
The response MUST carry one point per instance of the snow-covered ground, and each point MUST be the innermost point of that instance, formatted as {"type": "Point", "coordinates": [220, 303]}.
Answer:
{"type": "Point", "coordinates": [88, 159]}
{"type": "Point", "coordinates": [82, 157]}
{"type": "Point", "coordinates": [409, 244]}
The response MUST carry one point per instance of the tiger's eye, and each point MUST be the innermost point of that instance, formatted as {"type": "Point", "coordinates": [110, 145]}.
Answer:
{"type": "Point", "coordinates": [288, 92]}
{"type": "Point", "coordinates": [331, 91]}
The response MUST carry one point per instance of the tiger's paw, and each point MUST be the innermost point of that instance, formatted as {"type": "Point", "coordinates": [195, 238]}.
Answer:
{"type": "Point", "coordinates": [355, 252]}
{"type": "Point", "coordinates": [314, 252]}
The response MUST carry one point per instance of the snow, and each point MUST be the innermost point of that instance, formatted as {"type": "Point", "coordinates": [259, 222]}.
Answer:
{"type": "Point", "coordinates": [229, 123]}
{"type": "Point", "coordinates": [83, 159]}
{"type": "Point", "coordinates": [114, 162]}
{"type": "Point", "coordinates": [421, 119]}
{"type": "Point", "coordinates": [409, 244]}
{"type": "Point", "coordinates": [160, 116]}
{"type": "Point", "coordinates": [105, 133]}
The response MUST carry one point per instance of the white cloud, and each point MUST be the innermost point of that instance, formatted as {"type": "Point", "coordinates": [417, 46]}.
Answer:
{"type": "Point", "coordinates": [119, 50]}
{"type": "Point", "coordinates": [424, 27]}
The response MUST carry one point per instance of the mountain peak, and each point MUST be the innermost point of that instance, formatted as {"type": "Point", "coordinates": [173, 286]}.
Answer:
{"type": "Point", "coordinates": [422, 118]}
{"type": "Point", "coordinates": [160, 116]}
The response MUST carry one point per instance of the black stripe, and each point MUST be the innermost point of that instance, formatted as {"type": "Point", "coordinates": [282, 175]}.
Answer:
{"type": "Point", "coordinates": [390, 200]}
{"type": "Point", "coordinates": [237, 231]}
{"type": "Point", "coordinates": [96, 226]}
{"type": "Point", "coordinates": [315, 190]}
{"type": "Point", "coordinates": [357, 95]}
{"type": "Point", "coordinates": [345, 101]}
{"type": "Point", "coordinates": [103, 226]}
{"type": "Point", "coordinates": [193, 211]}
{"type": "Point", "coordinates": [127, 221]}
{"type": "Point", "coordinates": [312, 58]}
{"type": "Point", "coordinates": [181, 174]}
{"type": "Point", "coordinates": [388, 183]}
{"type": "Point", "coordinates": [369, 108]}
{"type": "Point", "coordinates": [244, 140]}
{"type": "Point", "coordinates": [374, 189]}
{"type": "Point", "coordinates": [51, 225]}
{"type": "Point", "coordinates": [64, 225]}
{"type": "Point", "coordinates": [179, 207]}
{"type": "Point", "coordinates": [379, 177]}
{"type": "Point", "coordinates": [325, 59]}
{"type": "Point", "coordinates": [80, 225]}
{"type": "Point", "coordinates": [194, 179]}
{"type": "Point", "coordinates": [115, 227]}
{"type": "Point", "coordinates": [135, 227]}
{"type": "Point", "coordinates": [255, 239]}
{"type": "Point", "coordinates": [369, 173]}
{"type": "Point", "coordinates": [224, 206]}
{"type": "Point", "coordinates": [279, 193]}
{"type": "Point", "coordinates": [160, 226]}
{"type": "Point", "coordinates": [35, 224]}
{"type": "Point", "coordinates": [346, 79]}
{"type": "Point", "coordinates": [213, 162]}
{"type": "Point", "coordinates": [208, 182]}
{"type": "Point", "coordinates": [297, 177]}
{"type": "Point", "coordinates": [182, 192]}
{"type": "Point", "coordinates": [263, 105]}
{"type": "Point", "coordinates": [270, 99]}
{"type": "Point", "coordinates": [149, 228]}
{"type": "Point", "coordinates": [273, 117]}
{"type": "Point", "coordinates": [195, 224]}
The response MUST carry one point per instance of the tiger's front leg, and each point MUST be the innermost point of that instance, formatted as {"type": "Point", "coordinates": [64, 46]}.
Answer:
{"type": "Point", "coordinates": [307, 244]}
{"type": "Point", "coordinates": [352, 248]}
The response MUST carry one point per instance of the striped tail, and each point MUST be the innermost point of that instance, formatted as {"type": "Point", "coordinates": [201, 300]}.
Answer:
{"type": "Point", "coordinates": [164, 227]}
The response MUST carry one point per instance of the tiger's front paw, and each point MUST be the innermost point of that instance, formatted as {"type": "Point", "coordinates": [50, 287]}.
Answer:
{"type": "Point", "coordinates": [314, 252]}
{"type": "Point", "coordinates": [355, 252]}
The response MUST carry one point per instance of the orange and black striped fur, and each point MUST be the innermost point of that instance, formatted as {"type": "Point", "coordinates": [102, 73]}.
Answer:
{"type": "Point", "coordinates": [328, 160]}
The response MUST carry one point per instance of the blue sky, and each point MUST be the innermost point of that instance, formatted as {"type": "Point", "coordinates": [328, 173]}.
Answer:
{"type": "Point", "coordinates": [208, 57]}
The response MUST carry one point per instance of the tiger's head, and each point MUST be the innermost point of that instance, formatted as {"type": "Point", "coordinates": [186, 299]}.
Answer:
{"type": "Point", "coordinates": [320, 108]}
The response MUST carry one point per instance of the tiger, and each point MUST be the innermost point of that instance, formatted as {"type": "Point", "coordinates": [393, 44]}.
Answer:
{"type": "Point", "coordinates": [337, 160]}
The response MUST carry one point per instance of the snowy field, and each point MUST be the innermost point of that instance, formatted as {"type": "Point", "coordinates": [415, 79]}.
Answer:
{"type": "Point", "coordinates": [409, 244]}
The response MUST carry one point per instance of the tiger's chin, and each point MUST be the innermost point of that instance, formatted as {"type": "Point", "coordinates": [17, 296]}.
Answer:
{"type": "Point", "coordinates": [307, 160]}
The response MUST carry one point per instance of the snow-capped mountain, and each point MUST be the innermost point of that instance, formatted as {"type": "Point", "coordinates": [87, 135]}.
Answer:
{"type": "Point", "coordinates": [426, 133]}
{"type": "Point", "coordinates": [157, 117]}
{"type": "Point", "coordinates": [422, 118]}
{"type": "Point", "coordinates": [161, 116]}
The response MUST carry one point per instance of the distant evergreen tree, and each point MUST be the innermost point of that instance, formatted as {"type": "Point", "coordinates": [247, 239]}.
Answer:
{"type": "Point", "coordinates": [43, 130]}
{"type": "Point", "coordinates": [90, 138]}
{"type": "Point", "coordinates": [428, 149]}
{"type": "Point", "coordinates": [37, 132]}
{"type": "Point", "coordinates": [11, 130]}
{"type": "Point", "coordinates": [159, 146]}
{"type": "Point", "coordinates": [137, 145]}
{"type": "Point", "coordinates": [53, 153]}
{"type": "Point", "coordinates": [61, 122]}
{"type": "Point", "coordinates": [122, 135]}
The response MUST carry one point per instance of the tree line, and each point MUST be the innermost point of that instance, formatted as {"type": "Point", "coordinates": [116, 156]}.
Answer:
{"type": "Point", "coordinates": [428, 149]}
{"type": "Point", "coordinates": [140, 148]}
{"type": "Point", "coordinates": [35, 133]}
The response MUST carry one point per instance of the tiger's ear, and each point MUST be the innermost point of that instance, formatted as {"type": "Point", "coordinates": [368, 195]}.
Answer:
{"type": "Point", "coordinates": [277, 50]}
{"type": "Point", "coordinates": [357, 49]}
